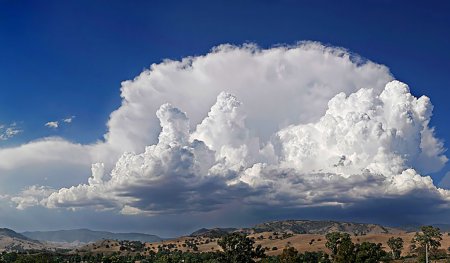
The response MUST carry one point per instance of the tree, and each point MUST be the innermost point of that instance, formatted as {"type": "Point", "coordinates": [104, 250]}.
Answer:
{"type": "Point", "coordinates": [289, 255]}
{"type": "Point", "coordinates": [345, 250]}
{"type": "Point", "coordinates": [238, 248]}
{"type": "Point", "coordinates": [396, 245]}
{"type": "Point", "coordinates": [9, 257]}
{"type": "Point", "coordinates": [314, 257]}
{"type": "Point", "coordinates": [429, 240]}
{"type": "Point", "coordinates": [334, 240]}
{"type": "Point", "coordinates": [367, 252]}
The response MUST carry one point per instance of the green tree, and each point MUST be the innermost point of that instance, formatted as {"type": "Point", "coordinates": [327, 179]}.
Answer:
{"type": "Point", "coordinates": [238, 248]}
{"type": "Point", "coordinates": [345, 250]}
{"type": "Point", "coordinates": [367, 252]}
{"type": "Point", "coordinates": [334, 240]}
{"type": "Point", "coordinates": [289, 255]}
{"type": "Point", "coordinates": [396, 246]}
{"type": "Point", "coordinates": [314, 257]}
{"type": "Point", "coordinates": [9, 257]}
{"type": "Point", "coordinates": [427, 241]}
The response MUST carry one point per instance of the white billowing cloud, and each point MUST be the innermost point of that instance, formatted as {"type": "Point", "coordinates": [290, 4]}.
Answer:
{"type": "Point", "coordinates": [382, 133]}
{"type": "Point", "coordinates": [52, 124]}
{"type": "Point", "coordinates": [297, 126]}
{"type": "Point", "coordinates": [224, 131]}
{"type": "Point", "coordinates": [277, 86]}
{"type": "Point", "coordinates": [362, 148]}
{"type": "Point", "coordinates": [174, 163]}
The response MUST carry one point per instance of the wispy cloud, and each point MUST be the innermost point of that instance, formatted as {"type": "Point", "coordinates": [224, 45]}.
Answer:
{"type": "Point", "coordinates": [7, 132]}
{"type": "Point", "coordinates": [445, 181]}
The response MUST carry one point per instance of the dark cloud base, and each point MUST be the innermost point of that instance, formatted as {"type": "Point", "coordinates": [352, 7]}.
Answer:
{"type": "Point", "coordinates": [402, 211]}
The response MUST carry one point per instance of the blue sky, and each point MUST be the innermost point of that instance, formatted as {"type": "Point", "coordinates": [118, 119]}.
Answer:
{"type": "Point", "coordinates": [68, 58]}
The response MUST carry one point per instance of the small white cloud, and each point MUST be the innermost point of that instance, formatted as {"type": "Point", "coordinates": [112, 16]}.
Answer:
{"type": "Point", "coordinates": [52, 124]}
{"type": "Point", "coordinates": [57, 124]}
{"type": "Point", "coordinates": [69, 119]}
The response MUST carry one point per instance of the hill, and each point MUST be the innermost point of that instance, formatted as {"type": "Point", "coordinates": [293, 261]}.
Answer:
{"type": "Point", "coordinates": [322, 227]}
{"type": "Point", "coordinates": [87, 236]}
{"type": "Point", "coordinates": [213, 232]}
{"type": "Point", "coordinates": [416, 227]}
{"type": "Point", "coordinates": [302, 227]}
{"type": "Point", "coordinates": [6, 232]}
{"type": "Point", "coordinates": [13, 241]}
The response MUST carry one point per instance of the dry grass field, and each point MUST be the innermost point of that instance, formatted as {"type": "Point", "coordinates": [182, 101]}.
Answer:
{"type": "Point", "coordinates": [273, 243]}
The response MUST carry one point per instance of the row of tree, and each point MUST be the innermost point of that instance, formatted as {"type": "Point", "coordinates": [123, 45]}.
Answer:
{"type": "Point", "coordinates": [425, 244]}
{"type": "Point", "coordinates": [343, 250]}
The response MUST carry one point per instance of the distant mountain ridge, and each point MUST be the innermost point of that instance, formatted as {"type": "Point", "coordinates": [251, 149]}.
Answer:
{"type": "Point", "coordinates": [302, 227]}
{"type": "Point", "coordinates": [322, 227]}
{"type": "Point", "coordinates": [87, 236]}
{"type": "Point", "coordinates": [416, 227]}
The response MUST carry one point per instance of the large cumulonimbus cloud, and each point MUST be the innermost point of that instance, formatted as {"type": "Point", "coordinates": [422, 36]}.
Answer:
{"type": "Point", "coordinates": [365, 146]}
{"type": "Point", "coordinates": [293, 127]}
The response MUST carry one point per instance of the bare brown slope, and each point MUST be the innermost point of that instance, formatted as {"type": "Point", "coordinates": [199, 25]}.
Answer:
{"type": "Point", "coordinates": [12, 241]}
